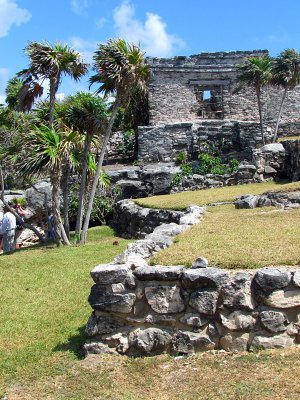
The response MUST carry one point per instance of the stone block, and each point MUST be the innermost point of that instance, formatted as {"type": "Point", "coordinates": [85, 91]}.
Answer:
{"type": "Point", "coordinates": [238, 321]}
{"type": "Point", "coordinates": [269, 279]}
{"type": "Point", "coordinates": [283, 299]}
{"type": "Point", "coordinates": [159, 273]}
{"type": "Point", "coordinates": [105, 274]}
{"type": "Point", "coordinates": [165, 299]}
{"type": "Point", "coordinates": [273, 321]}
{"type": "Point", "coordinates": [148, 342]}
{"type": "Point", "coordinates": [115, 302]}
{"type": "Point", "coordinates": [185, 342]}
{"type": "Point", "coordinates": [204, 277]}
{"type": "Point", "coordinates": [237, 292]}
{"type": "Point", "coordinates": [204, 301]}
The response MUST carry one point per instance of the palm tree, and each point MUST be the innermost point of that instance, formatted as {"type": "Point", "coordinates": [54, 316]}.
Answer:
{"type": "Point", "coordinates": [119, 67]}
{"type": "Point", "coordinates": [47, 61]}
{"type": "Point", "coordinates": [20, 95]}
{"type": "Point", "coordinates": [256, 72]}
{"type": "Point", "coordinates": [286, 74]}
{"type": "Point", "coordinates": [46, 148]}
{"type": "Point", "coordinates": [87, 114]}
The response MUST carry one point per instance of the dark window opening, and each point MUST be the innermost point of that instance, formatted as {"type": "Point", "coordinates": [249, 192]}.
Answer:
{"type": "Point", "coordinates": [210, 100]}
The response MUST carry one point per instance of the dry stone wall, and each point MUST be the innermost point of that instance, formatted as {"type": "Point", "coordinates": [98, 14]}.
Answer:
{"type": "Point", "coordinates": [162, 143]}
{"type": "Point", "coordinates": [143, 310]}
{"type": "Point", "coordinates": [146, 310]}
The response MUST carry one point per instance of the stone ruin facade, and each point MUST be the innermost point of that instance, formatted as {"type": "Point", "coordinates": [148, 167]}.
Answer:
{"type": "Point", "coordinates": [194, 99]}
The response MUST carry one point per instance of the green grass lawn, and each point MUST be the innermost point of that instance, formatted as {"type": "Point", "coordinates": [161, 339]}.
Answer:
{"type": "Point", "coordinates": [44, 310]}
{"type": "Point", "coordinates": [180, 201]}
{"type": "Point", "coordinates": [238, 239]}
{"type": "Point", "coordinates": [44, 307]}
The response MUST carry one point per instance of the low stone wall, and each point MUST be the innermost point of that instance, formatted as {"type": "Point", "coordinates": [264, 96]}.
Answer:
{"type": "Point", "coordinates": [144, 310]}
{"type": "Point", "coordinates": [291, 166]}
{"type": "Point", "coordinates": [285, 200]}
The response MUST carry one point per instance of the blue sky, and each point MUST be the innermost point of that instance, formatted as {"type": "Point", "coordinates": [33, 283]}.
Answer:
{"type": "Point", "coordinates": [164, 28]}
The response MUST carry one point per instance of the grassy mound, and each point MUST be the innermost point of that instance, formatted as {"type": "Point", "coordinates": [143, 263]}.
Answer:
{"type": "Point", "coordinates": [180, 201]}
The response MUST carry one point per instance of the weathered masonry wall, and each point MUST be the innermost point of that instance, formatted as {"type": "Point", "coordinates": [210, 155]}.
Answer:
{"type": "Point", "coordinates": [151, 310]}
{"type": "Point", "coordinates": [203, 87]}
{"type": "Point", "coordinates": [164, 142]}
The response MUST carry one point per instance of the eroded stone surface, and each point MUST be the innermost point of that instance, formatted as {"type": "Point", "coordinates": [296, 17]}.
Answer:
{"type": "Point", "coordinates": [234, 342]}
{"type": "Point", "coordinates": [273, 321]}
{"type": "Point", "coordinates": [269, 279]}
{"type": "Point", "coordinates": [271, 342]}
{"type": "Point", "coordinates": [296, 278]}
{"type": "Point", "coordinates": [165, 299]}
{"type": "Point", "coordinates": [150, 341]}
{"type": "Point", "coordinates": [106, 301]}
{"type": "Point", "coordinates": [238, 321]}
{"type": "Point", "coordinates": [206, 277]}
{"type": "Point", "coordinates": [283, 299]}
{"type": "Point", "coordinates": [194, 320]}
{"type": "Point", "coordinates": [105, 274]}
{"type": "Point", "coordinates": [190, 342]}
{"type": "Point", "coordinates": [159, 273]}
{"type": "Point", "coordinates": [204, 301]}
{"type": "Point", "coordinates": [237, 292]}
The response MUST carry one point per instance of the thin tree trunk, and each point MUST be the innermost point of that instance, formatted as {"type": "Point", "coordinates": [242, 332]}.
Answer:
{"type": "Point", "coordinates": [65, 191]}
{"type": "Point", "coordinates": [279, 114]}
{"type": "Point", "coordinates": [59, 232]}
{"type": "Point", "coordinates": [79, 220]}
{"type": "Point", "coordinates": [260, 115]}
{"type": "Point", "coordinates": [98, 171]}
{"type": "Point", "coordinates": [53, 89]}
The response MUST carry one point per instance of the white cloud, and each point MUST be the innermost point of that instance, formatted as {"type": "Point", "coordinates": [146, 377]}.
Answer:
{"type": "Point", "coordinates": [151, 34]}
{"type": "Point", "coordinates": [101, 22]}
{"type": "Point", "coordinates": [11, 14]}
{"type": "Point", "coordinates": [84, 47]}
{"type": "Point", "coordinates": [79, 6]}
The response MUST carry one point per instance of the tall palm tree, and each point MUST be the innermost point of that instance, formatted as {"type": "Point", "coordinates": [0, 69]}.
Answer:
{"type": "Point", "coordinates": [286, 74]}
{"type": "Point", "coordinates": [46, 148]}
{"type": "Point", "coordinates": [88, 115]}
{"type": "Point", "coordinates": [47, 61]}
{"type": "Point", "coordinates": [119, 67]}
{"type": "Point", "coordinates": [256, 72]}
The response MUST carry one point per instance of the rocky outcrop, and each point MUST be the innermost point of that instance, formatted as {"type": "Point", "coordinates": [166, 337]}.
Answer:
{"type": "Point", "coordinates": [178, 310]}
{"type": "Point", "coordinates": [275, 199]}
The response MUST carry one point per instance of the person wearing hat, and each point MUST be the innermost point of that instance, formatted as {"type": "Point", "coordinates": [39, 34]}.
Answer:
{"type": "Point", "coordinates": [9, 230]}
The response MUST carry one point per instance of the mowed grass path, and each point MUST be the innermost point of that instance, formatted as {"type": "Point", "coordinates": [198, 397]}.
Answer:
{"type": "Point", "coordinates": [180, 201]}
{"type": "Point", "coordinates": [238, 239]}
{"type": "Point", "coordinates": [44, 307]}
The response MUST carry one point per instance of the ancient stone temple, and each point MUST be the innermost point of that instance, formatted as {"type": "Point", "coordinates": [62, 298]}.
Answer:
{"type": "Point", "coordinates": [194, 99]}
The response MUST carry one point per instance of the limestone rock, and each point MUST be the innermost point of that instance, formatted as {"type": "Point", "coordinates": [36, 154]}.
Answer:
{"type": "Point", "coordinates": [118, 341]}
{"type": "Point", "coordinates": [165, 299]}
{"type": "Point", "coordinates": [296, 278]}
{"type": "Point", "coordinates": [206, 277]}
{"type": "Point", "coordinates": [185, 342]}
{"type": "Point", "coordinates": [106, 301]}
{"type": "Point", "coordinates": [273, 147]}
{"type": "Point", "coordinates": [271, 342]}
{"type": "Point", "coordinates": [273, 321]}
{"type": "Point", "coordinates": [269, 279]}
{"type": "Point", "coordinates": [94, 347]}
{"type": "Point", "coordinates": [200, 262]}
{"type": "Point", "coordinates": [100, 324]}
{"type": "Point", "coordinates": [194, 320]}
{"type": "Point", "coordinates": [150, 341]}
{"type": "Point", "coordinates": [246, 201]}
{"type": "Point", "coordinates": [237, 292]}
{"type": "Point", "coordinates": [159, 273]}
{"type": "Point", "coordinates": [134, 260]}
{"type": "Point", "coordinates": [204, 301]}
{"type": "Point", "coordinates": [283, 299]}
{"type": "Point", "coordinates": [238, 321]}
{"type": "Point", "coordinates": [234, 342]}
{"type": "Point", "coordinates": [104, 274]}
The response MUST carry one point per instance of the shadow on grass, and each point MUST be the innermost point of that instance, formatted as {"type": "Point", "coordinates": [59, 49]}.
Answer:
{"type": "Point", "coordinates": [74, 344]}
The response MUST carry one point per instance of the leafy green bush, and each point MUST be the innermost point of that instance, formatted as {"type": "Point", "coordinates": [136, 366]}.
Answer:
{"type": "Point", "coordinates": [126, 148]}
{"type": "Point", "coordinates": [103, 204]}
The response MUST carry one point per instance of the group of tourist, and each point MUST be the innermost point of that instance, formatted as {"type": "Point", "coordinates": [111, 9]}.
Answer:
{"type": "Point", "coordinates": [10, 228]}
